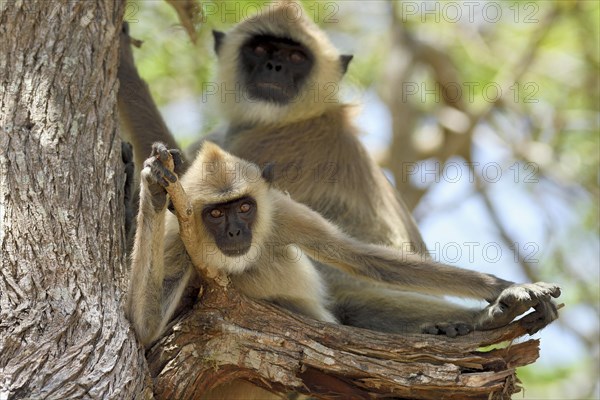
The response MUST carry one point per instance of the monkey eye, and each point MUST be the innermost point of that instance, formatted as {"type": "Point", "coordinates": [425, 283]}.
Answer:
{"type": "Point", "coordinates": [216, 213]}
{"type": "Point", "coordinates": [260, 50]}
{"type": "Point", "coordinates": [245, 207]}
{"type": "Point", "coordinates": [297, 57]}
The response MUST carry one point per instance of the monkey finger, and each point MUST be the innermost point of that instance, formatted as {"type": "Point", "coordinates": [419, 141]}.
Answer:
{"type": "Point", "coordinates": [162, 153]}
{"type": "Point", "coordinates": [177, 160]}
{"type": "Point", "coordinates": [159, 149]}
{"type": "Point", "coordinates": [168, 176]}
{"type": "Point", "coordinates": [158, 173]}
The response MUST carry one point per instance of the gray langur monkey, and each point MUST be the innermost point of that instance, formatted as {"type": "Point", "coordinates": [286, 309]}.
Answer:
{"type": "Point", "coordinates": [260, 238]}
{"type": "Point", "coordinates": [285, 72]}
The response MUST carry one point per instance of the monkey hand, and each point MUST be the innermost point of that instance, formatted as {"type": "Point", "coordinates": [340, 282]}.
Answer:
{"type": "Point", "coordinates": [517, 299]}
{"type": "Point", "coordinates": [157, 175]}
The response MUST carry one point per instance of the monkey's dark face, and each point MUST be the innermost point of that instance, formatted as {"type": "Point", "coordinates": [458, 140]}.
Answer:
{"type": "Point", "coordinates": [230, 224]}
{"type": "Point", "coordinates": [274, 69]}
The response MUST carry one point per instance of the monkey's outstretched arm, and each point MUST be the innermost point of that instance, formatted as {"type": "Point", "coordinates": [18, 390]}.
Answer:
{"type": "Point", "coordinates": [154, 291]}
{"type": "Point", "coordinates": [137, 111]}
{"type": "Point", "coordinates": [325, 243]}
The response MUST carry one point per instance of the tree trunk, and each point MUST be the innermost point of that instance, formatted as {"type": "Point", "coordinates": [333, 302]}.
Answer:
{"type": "Point", "coordinates": [63, 333]}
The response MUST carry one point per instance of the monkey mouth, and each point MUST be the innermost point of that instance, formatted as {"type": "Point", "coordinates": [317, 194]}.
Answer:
{"type": "Point", "coordinates": [235, 251]}
{"type": "Point", "coordinates": [270, 86]}
{"type": "Point", "coordinates": [270, 91]}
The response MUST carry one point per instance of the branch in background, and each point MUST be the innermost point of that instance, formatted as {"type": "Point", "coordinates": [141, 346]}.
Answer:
{"type": "Point", "coordinates": [190, 15]}
{"type": "Point", "coordinates": [456, 142]}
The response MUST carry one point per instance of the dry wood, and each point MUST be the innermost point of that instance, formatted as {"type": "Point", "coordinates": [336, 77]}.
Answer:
{"type": "Point", "coordinates": [63, 333]}
{"type": "Point", "coordinates": [228, 336]}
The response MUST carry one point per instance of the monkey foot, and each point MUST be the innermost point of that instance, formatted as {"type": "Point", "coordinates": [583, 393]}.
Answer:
{"type": "Point", "coordinates": [516, 300]}
{"type": "Point", "coordinates": [450, 329]}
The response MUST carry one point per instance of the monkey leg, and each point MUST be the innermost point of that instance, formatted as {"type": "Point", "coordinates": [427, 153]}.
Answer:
{"type": "Point", "coordinates": [392, 311]}
{"type": "Point", "coordinates": [141, 121]}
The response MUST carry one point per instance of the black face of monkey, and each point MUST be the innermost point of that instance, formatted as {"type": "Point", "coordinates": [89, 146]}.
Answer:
{"type": "Point", "coordinates": [230, 224]}
{"type": "Point", "coordinates": [275, 68]}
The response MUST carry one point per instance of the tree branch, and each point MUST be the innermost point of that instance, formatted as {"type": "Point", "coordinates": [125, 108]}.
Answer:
{"type": "Point", "coordinates": [228, 336]}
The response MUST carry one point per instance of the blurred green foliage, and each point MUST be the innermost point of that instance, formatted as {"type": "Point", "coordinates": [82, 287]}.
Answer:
{"type": "Point", "coordinates": [551, 116]}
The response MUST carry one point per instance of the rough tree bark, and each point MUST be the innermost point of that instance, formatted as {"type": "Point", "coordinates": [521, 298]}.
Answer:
{"type": "Point", "coordinates": [63, 333]}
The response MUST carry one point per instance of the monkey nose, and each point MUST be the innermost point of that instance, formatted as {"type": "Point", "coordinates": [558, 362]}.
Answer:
{"type": "Point", "coordinates": [271, 66]}
{"type": "Point", "coordinates": [234, 233]}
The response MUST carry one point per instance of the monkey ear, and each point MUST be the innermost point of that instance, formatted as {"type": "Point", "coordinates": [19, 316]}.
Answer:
{"type": "Point", "coordinates": [219, 36]}
{"type": "Point", "coordinates": [268, 172]}
{"type": "Point", "coordinates": [344, 61]}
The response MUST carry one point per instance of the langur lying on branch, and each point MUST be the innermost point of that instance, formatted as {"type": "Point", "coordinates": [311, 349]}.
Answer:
{"type": "Point", "coordinates": [265, 243]}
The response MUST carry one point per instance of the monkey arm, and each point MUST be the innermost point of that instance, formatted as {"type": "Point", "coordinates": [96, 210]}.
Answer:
{"type": "Point", "coordinates": [155, 289]}
{"type": "Point", "coordinates": [325, 243]}
{"type": "Point", "coordinates": [139, 115]}
{"type": "Point", "coordinates": [147, 270]}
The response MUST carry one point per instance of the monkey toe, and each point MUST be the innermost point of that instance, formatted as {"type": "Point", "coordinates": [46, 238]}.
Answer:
{"type": "Point", "coordinates": [450, 329]}
{"type": "Point", "coordinates": [430, 330]}
{"type": "Point", "coordinates": [545, 312]}
{"type": "Point", "coordinates": [548, 289]}
{"type": "Point", "coordinates": [463, 328]}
